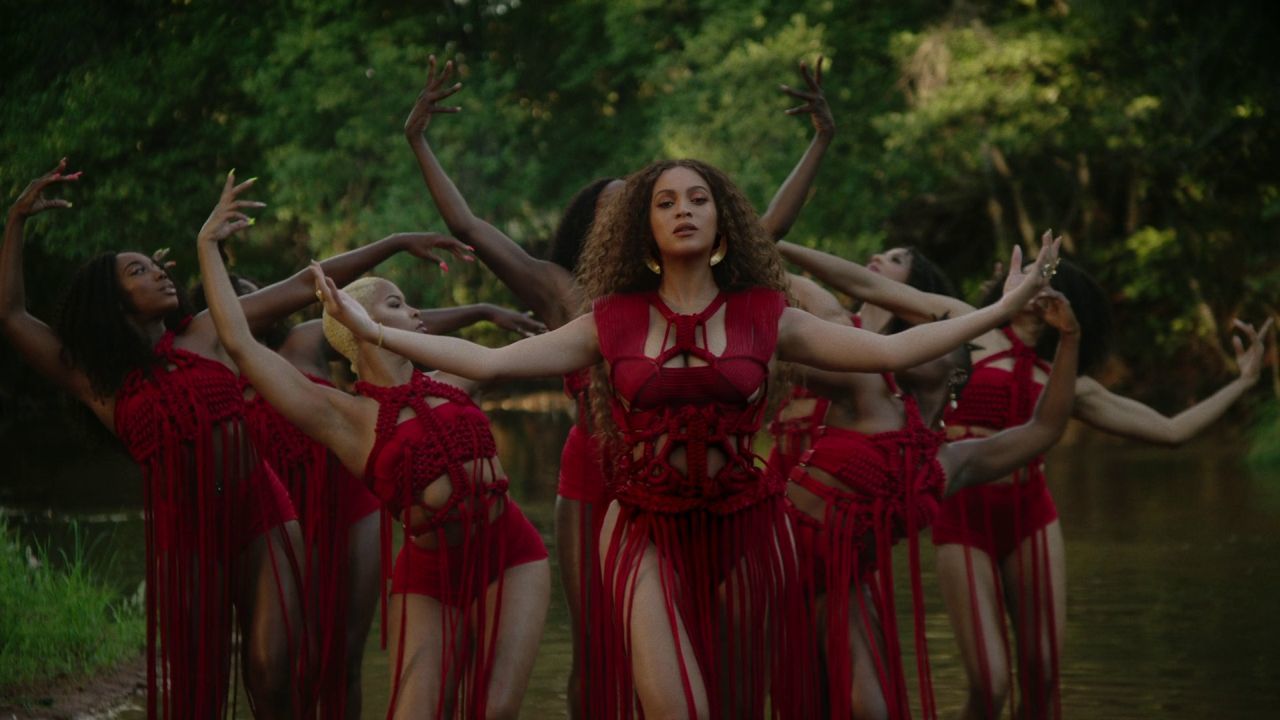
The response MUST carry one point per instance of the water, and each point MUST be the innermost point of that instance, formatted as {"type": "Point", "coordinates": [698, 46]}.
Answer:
{"type": "Point", "coordinates": [1173, 566]}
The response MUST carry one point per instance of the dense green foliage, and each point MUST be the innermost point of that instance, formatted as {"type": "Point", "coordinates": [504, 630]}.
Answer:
{"type": "Point", "coordinates": [1146, 131]}
{"type": "Point", "coordinates": [57, 618]}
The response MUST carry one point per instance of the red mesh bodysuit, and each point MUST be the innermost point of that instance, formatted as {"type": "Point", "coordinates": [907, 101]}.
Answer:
{"type": "Point", "coordinates": [890, 484]}
{"type": "Point", "coordinates": [207, 496]}
{"type": "Point", "coordinates": [1002, 519]}
{"type": "Point", "coordinates": [329, 500]}
{"type": "Point", "coordinates": [721, 533]}
{"type": "Point", "coordinates": [451, 439]}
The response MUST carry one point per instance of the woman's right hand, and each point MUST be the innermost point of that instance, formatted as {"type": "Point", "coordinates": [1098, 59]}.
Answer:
{"type": "Point", "coordinates": [342, 307]}
{"type": "Point", "coordinates": [1023, 284]}
{"type": "Point", "coordinates": [1055, 310]}
{"type": "Point", "coordinates": [434, 92]}
{"type": "Point", "coordinates": [1250, 361]}
{"type": "Point", "coordinates": [32, 200]}
{"type": "Point", "coordinates": [815, 102]}
{"type": "Point", "coordinates": [227, 218]}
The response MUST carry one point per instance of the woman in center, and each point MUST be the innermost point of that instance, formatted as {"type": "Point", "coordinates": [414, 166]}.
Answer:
{"type": "Point", "coordinates": [688, 311]}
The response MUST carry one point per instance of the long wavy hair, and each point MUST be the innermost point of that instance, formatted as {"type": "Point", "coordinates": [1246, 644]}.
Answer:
{"type": "Point", "coordinates": [92, 323]}
{"type": "Point", "coordinates": [622, 237]}
{"type": "Point", "coordinates": [613, 260]}
{"type": "Point", "coordinates": [1092, 310]}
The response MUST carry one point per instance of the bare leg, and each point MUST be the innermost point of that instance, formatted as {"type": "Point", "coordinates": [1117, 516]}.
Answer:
{"type": "Point", "coordinates": [867, 696]}
{"type": "Point", "coordinates": [363, 575]}
{"type": "Point", "coordinates": [269, 652]}
{"type": "Point", "coordinates": [1028, 592]}
{"type": "Point", "coordinates": [655, 665]}
{"type": "Point", "coordinates": [569, 549]}
{"type": "Point", "coordinates": [989, 684]}
{"type": "Point", "coordinates": [526, 592]}
{"type": "Point", "coordinates": [419, 692]}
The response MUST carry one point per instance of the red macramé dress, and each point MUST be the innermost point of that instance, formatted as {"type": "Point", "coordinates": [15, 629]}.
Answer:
{"type": "Point", "coordinates": [999, 518]}
{"type": "Point", "coordinates": [890, 484]}
{"type": "Point", "coordinates": [722, 540]}
{"type": "Point", "coordinates": [454, 439]}
{"type": "Point", "coordinates": [329, 500]}
{"type": "Point", "coordinates": [208, 495]}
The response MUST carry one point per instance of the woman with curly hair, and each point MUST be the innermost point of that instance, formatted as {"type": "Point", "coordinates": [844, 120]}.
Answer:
{"type": "Point", "coordinates": [220, 529]}
{"type": "Point", "coordinates": [688, 310]}
{"type": "Point", "coordinates": [548, 288]}
{"type": "Point", "coordinates": [1000, 546]}
{"type": "Point", "coordinates": [470, 587]}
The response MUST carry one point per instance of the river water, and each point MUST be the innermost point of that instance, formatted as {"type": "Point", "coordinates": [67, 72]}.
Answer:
{"type": "Point", "coordinates": [1173, 565]}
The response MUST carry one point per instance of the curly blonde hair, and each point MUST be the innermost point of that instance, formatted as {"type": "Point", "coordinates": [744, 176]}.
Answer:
{"type": "Point", "coordinates": [613, 259]}
{"type": "Point", "coordinates": [341, 338]}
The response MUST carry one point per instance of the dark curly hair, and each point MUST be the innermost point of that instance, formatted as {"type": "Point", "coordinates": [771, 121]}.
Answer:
{"type": "Point", "coordinates": [273, 337]}
{"type": "Point", "coordinates": [622, 237]}
{"type": "Point", "coordinates": [1092, 310]}
{"type": "Point", "coordinates": [97, 337]}
{"type": "Point", "coordinates": [926, 276]}
{"type": "Point", "coordinates": [575, 224]}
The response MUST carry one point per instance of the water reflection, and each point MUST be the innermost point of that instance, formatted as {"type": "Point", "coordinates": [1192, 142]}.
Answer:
{"type": "Point", "coordinates": [1173, 566]}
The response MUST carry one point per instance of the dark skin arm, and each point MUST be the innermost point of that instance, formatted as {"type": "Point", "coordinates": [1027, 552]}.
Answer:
{"type": "Point", "coordinates": [544, 287]}
{"type": "Point", "coordinates": [442, 321]}
{"type": "Point", "coordinates": [35, 341]}
{"type": "Point", "coordinates": [786, 204]}
{"type": "Point", "coordinates": [979, 460]}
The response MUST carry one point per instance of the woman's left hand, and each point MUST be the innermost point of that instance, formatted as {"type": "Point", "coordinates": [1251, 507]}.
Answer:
{"type": "Point", "coordinates": [815, 102]}
{"type": "Point", "coordinates": [423, 244]}
{"type": "Point", "coordinates": [509, 319]}
{"type": "Point", "coordinates": [32, 200]}
{"type": "Point", "coordinates": [227, 218]}
{"type": "Point", "coordinates": [342, 307]}
{"type": "Point", "coordinates": [1025, 283]}
{"type": "Point", "coordinates": [1250, 361]}
{"type": "Point", "coordinates": [1055, 310]}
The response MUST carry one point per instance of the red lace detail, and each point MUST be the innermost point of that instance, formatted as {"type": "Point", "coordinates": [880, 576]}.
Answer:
{"type": "Point", "coordinates": [997, 398]}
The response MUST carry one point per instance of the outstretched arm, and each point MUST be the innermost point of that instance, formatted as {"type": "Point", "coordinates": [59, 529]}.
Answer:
{"type": "Point", "coordinates": [324, 414]}
{"type": "Point", "coordinates": [441, 321]}
{"type": "Point", "coordinates": [853, 279]}
{"type": "Point", "coordinates": [558, 352]}
{"type": "Point", "coordinates": [34, 340]}
{"type": "Point", "coordinates": [970, 462]}
{"type": "Point", "coordinates": [805, 339]}
{"type": "Point", "coordinates": [545, 287]}
{"type": "Point", "coordinates": [1120, 415]}
{"type": "Point", "coordinates": [790, 198]}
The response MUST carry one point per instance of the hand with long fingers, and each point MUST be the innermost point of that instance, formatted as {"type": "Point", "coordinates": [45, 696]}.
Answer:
{"type": "Point", "coordinates": [1250, 360]}
{"type": "Point", "coordinates": [1055, 310]}
{"type": "Point", "coordinates": [32, 200]}
{"type": "Point", "coordinates": [228, 217]}
{"type": "Point", "coordinates": [341, 306]}
{"type": "Point", "coordinates": [426, 105]}
{"type": "Point", "coordinates": [1022, 284]}
{"type": "Point", "coordinates": [423, 245]}
{"type": "Point", "coordinates": [514, 321]}
{"type": "Point", "coordinates": [815, 102]}
{"type": "Point", "coordinates": [160, 257]}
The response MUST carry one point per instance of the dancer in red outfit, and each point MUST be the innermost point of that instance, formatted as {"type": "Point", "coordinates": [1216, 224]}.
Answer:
{"type": "Point", "coordinates": [1004, 540]}
{"type": "Point", "coordinates": [875, 473]}
{"type": "Point", "coordinates": [549, 289]}
{"type": "Point", "coordinates": [470, 588]}
{"type": "Point", "coordinates": [337, 511]}
{"type": "Point", "coordinates": [170, 393]}
{"type": "Point", "coordinates": [697, 552]}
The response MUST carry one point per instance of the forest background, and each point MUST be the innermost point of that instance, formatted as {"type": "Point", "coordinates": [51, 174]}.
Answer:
{"type": "Point", "coordinates": [1145, 131]}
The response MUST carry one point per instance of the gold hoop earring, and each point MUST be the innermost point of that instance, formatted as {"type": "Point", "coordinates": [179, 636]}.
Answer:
{"type": "Point", "coordinates": [652, 263]}
{"type": "Point", "coordinates": [722, 249]}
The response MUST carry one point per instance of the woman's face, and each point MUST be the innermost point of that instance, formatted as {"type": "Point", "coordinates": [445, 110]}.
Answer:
{"type": "Point", "coordinates": [145, 285]}
{"type": "Point", "coordinates": [682, 214]}
{"type": "Point", "coordinates": [894, 264]}
{"type": "Point", "coordinates": [387, 306]}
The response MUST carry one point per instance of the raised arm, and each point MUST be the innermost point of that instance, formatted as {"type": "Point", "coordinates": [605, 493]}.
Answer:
{"type": "Point", "coordinates": [327, 415]}
{"type": "Point", "coordinates": [969, 462]}
{"type": "Point", "coordinates": [1120, 415]}
{"type": "Point", "coordinates": [558, 352]}
{"type": "Point", "coordinates": [33, 339]}
{"type": "Point", "coordinates": [853, 279]}
{"type": "Point", "coordinates": [441, 321]}
{"type": "Point", "coordinates": [790, 198]}
{"type": "Point", "coordinates": [806, 339]}
{"type": "Point", "coordinates": [545, 287]}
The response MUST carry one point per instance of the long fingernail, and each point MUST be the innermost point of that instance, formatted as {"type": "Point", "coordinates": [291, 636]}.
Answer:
{"type": "Point", "coordinates": [231, 172]}
{"type": "Point", "coordinates": [444, 266]}
{"type": "Point", "coordinates": [70, 204]}
{"type": "Point", "coordinates": [255, 177]}
{"type": "Point", "coordinates": [253, 221]}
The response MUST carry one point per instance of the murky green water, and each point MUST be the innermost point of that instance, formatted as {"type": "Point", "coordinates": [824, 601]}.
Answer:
{"type": "Point", "coordinates": [1173, 566]}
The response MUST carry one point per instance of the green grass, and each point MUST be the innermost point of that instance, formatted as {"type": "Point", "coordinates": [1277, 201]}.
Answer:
{"type": "Point", "coordinates": [56, 617]}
